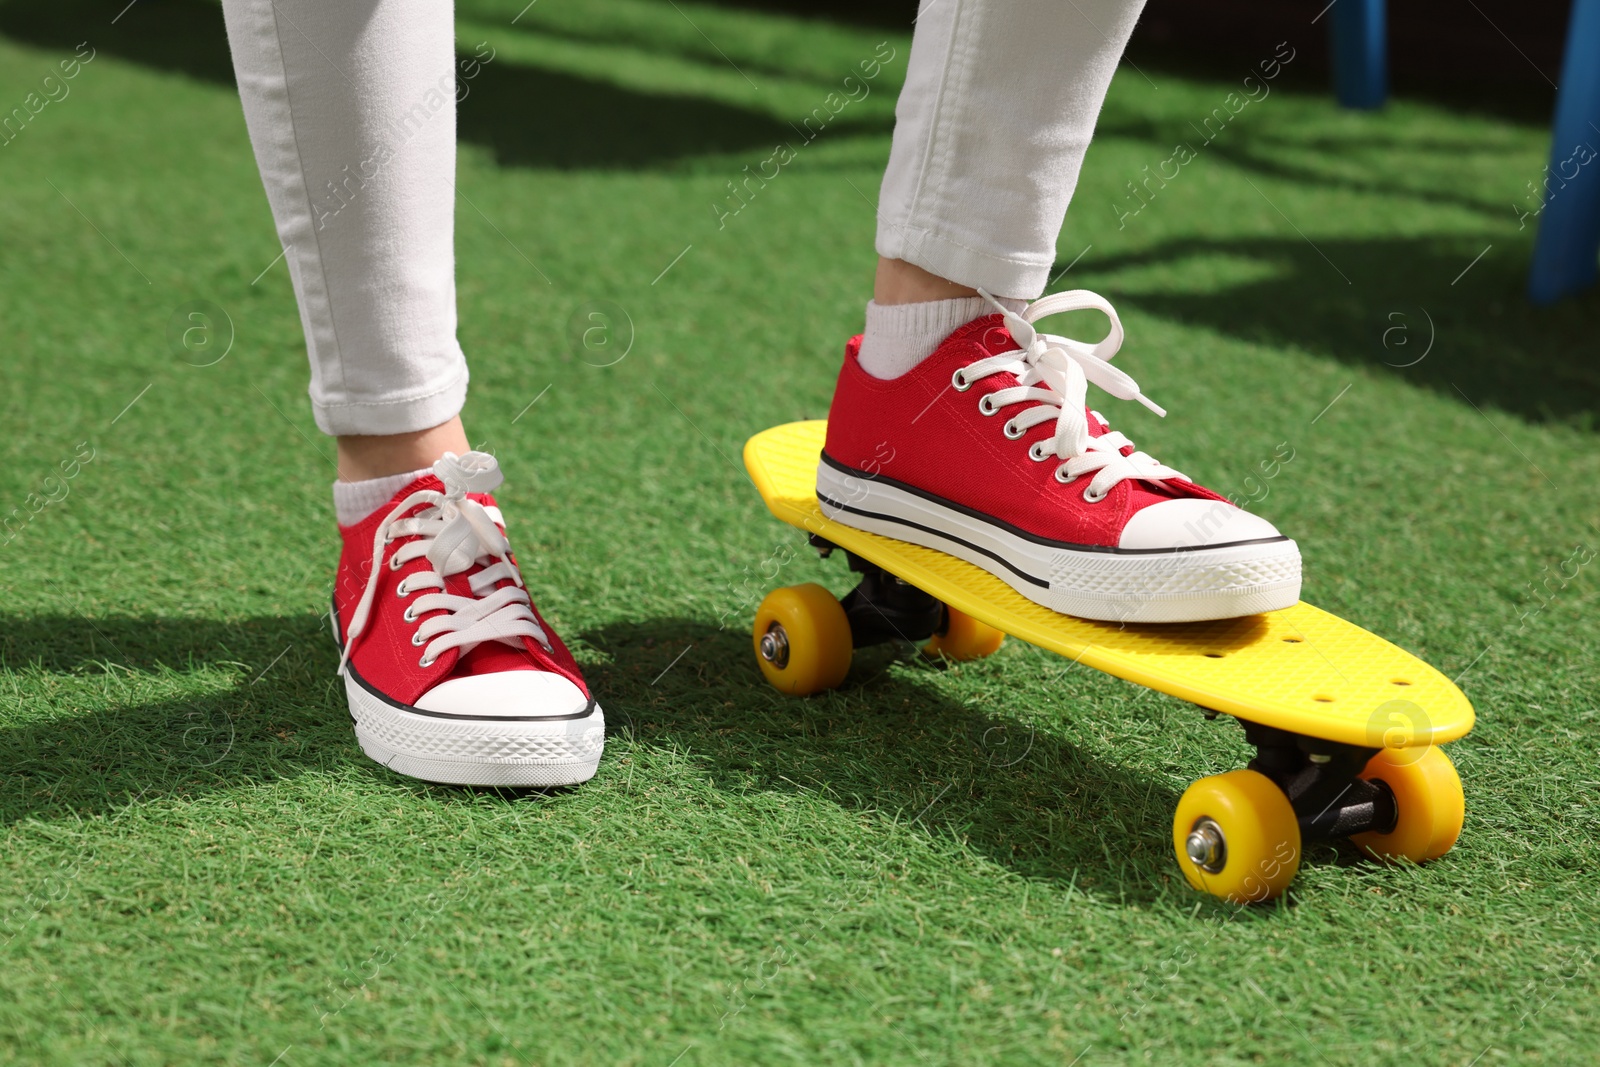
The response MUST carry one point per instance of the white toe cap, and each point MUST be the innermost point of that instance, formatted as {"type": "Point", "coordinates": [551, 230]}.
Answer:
{"type": "Point", "coordinates": [1191, 523]}
{"type": "Point", "coordinates": [506, 695]}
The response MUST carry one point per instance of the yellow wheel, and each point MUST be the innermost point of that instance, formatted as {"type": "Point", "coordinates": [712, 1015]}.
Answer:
{"type": "Point", "coordinates": [1428, 801]}
{"type": "Point", "coordinates": [1237, 837]}
{"type": "Point", "coordinates": [964, 638]}
{"type": "Point", "coordinates": [802, 639]}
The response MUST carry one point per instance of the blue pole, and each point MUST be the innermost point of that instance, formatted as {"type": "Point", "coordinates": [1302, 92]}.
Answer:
{"type": "Point", "coordinates": [1565, 251]}
{"type": "Point", "coordinates": [1360, 53]}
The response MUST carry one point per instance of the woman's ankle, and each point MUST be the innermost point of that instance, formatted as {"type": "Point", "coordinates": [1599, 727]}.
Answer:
{"type": "Point", "coordinates": [364, 457]}
{"type": "Point", "coordinates": [899, 282]}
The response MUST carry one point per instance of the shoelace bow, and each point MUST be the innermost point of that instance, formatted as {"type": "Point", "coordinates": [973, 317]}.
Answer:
{"type": "Point", "coordinates": [1054, 372]}
{"type": "Point", "coordinates": [455, 534]}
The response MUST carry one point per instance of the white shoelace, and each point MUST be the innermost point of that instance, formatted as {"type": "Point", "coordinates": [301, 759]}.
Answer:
{"type": "Point", "coordinates": [1055, 372]}
{"type": "Point", "coordinates": [455, 534]}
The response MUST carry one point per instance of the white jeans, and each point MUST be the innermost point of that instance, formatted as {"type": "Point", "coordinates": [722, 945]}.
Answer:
{"type": "Point", "coordinates": [1000, 101]}
{"type": "Point", "coordinates": [351, 110]}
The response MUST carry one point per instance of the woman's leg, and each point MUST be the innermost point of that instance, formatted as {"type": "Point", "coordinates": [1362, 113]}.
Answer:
{"type": "Point", "coordinates": [955, 424]}
{"type": "Point", "coordinates": [351, 109]}
{"type": "Point", "coordinates": [998, 109]}
{"type": "Point", "coordinates": [999, 106]}
{"type": "Point", "coordinates": [450, 673]}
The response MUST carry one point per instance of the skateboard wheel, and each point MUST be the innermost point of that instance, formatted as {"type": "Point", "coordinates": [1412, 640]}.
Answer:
{"type": "Point", "coordinates": [1429, 805]}
{"type": "Point", "coordinates": [1237, 837]}
{"type": "Point", "coordinates": [964, 638]}
{"type": "Point", "coordinates": [802, 639]}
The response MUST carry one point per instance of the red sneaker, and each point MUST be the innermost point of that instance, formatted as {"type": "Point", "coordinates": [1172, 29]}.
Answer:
{"type": "Point", "coordinates": [451, 674]}
{"type": "Point", "coordinates": [986, 451]}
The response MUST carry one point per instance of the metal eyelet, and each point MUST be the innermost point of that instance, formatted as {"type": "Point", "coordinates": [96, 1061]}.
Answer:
{"type": "Point", "coordinates": [1037, 453]}
{"type": "Point", "coordinates": [410, 614]}
{"type": "Point", "coordinates": [1011, 431]}
{"type": "Point", "coordinates": [401, 591]}
{"type": "Point", "coordinates": [394, 562]}
{"type": "Point", "coordinates": [1063, 477]}
{"type": "Point", "coordinates": [425, 662]}
{"type": "Point", "coordinates": [1092, 497]}
{"type": "Point", "coordinates": [987, 404]}
{"type": "Point", "coordinates": [417, 640]}
{"type": "Point", "coordinates": [959, 380]}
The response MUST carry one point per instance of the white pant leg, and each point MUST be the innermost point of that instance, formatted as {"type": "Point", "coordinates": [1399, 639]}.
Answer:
{"type": "Point", "coordinates": [1000, 102]}
{"type": "Point", "coordinates": [351, 109]}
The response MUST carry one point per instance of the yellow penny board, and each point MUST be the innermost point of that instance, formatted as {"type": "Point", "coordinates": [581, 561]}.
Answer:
{"type": "Point", "coordinates": [1299, 669]}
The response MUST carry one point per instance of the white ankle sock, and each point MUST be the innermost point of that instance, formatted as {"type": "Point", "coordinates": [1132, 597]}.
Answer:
{"type": "Point", "coordinates": [354, 501]}
{"type": "Point", "coordinates": [899, 336]}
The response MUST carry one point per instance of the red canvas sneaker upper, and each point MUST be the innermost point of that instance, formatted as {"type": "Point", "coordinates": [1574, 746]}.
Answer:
{"type": "Point", "coordinates": [995, 421]}
{"type": "Point", "coordinates": [428, 589]}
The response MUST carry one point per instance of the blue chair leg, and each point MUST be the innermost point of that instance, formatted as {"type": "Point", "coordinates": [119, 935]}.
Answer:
{"type": "Point", "coordinates": [1360, 53]}
{"type": "Point", "coordinates": [1565, 252]}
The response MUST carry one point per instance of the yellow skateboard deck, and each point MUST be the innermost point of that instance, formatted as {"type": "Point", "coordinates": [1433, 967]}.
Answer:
{"type": "Point", "coordinates": [1299, 669]}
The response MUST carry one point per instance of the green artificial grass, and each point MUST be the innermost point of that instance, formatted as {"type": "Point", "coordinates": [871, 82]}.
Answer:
{"type": "Point", "coordinates": [961, 866]}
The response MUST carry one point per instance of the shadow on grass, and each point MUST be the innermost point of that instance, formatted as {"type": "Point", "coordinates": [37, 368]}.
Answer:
{"type": "Point", "coordinates": [891, 743]}
{"type": "Point", "coordinates": [888, 743]}
{"type": "Point", "coordinates": [1420, 310]}
{"type": "Point", "coordinates": [97, 756]}
{"type": "Point", "coordinates": [527, 116]}
{"type": "Point", "coordinates": [1262, 154]}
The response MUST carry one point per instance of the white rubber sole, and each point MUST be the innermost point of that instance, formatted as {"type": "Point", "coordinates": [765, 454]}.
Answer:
{"type": "Point", "coordinates": [487, 751]}
{"type": "Point", "coordinates": [1115, 585]}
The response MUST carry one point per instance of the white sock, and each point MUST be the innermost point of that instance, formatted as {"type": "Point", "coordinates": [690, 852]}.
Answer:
{"type": "Point", "coordinates": [354, 501]}
{"type": "Point", "coordinates": [899, 336]}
